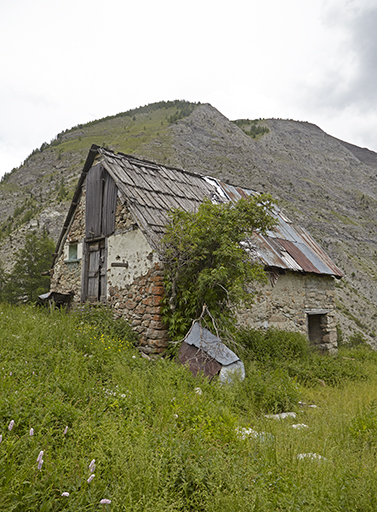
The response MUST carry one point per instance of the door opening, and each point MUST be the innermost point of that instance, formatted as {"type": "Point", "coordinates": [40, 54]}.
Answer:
{"type": "Point", "coordinates": [317, 327]}
{"type": "Point", "coordinates": [96, 271]}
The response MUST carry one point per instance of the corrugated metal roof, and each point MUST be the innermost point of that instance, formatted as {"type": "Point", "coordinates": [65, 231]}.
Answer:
{"type": "Point", "coordinates": [287, 246]}
{"type": "Point", "coordinates": [151, 190]}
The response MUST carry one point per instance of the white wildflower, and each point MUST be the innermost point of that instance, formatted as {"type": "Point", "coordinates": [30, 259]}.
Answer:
{"type": "Point", "coordinates": [105, 502]}
{"type": "Point", "coordinates": [92, 466]}
{"type": "Point", "coordinates": [65, 430]}
{"type": "Point", "coordinates": [31, 432]}
{"type": "Point", "coordinates": [11, 425]}
{"type": "Point", "coordinates": [91, 478]}
{"type": "Point", "coordinates": [40, 464]}
{"type": "Point", "coordinates": [281, 416]}
{"type": "Point", "coordinates": [66, 494]}
{"type": "Point", "coordinates": [40, 456]}
{"type": "Point", "coordinates": [311, 456]}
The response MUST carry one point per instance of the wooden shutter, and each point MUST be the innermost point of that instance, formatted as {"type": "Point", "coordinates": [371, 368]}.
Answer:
{"type": "Point", "coordinates": [93, 202]}
{"type": "Point", "coordinates": [109, 204]}
{"type": "Point", "coordinates": [101, 197]}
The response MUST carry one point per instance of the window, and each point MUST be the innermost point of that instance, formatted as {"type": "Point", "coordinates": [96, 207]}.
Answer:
{"type": "Point", "coordinates": [72, 252]}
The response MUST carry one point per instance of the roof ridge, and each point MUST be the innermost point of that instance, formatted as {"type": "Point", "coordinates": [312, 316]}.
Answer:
{"type": "Point", "coordinates": [136, 159]}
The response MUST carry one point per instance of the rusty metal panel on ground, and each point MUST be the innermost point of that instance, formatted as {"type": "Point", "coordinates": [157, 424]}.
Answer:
{"type": "Point", "coordinates": [198, 361]}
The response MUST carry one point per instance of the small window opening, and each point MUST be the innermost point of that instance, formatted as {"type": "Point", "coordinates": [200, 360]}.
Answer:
{"type": "Point", "coordinates": [72, 252]}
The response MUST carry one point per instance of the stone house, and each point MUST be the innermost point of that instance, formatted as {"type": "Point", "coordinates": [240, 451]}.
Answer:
{"type": "Point", "coordinates": [108, 251]}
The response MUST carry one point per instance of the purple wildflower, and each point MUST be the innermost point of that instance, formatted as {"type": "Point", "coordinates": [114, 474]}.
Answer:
{"type": "Point", "coordinates": [31, 432]}
{"type": "Point", "coordinates": [66, 494]}
{"type": "Point", "coordinates": [40, 456]}
{"type": "Point", "coordinates": [11, 425]}
{"type": "Point", "coordinates": [1, 438]}
{"type": "Point", "coordinates": [92, 466]}
{"type": "Point", "coordinates": [91, 478]}
{"type": "Point", "coordinates": [65, 430]}
{"type": "Point", "coordinates": [40, 464]}
{"type": "Point", "coordinates": [105, 502]}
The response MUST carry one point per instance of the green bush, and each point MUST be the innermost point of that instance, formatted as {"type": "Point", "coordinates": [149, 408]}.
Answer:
{"type": "Point", "coordinates": [266, 390]}
{"type": "Point", "coordinates": [291, 351]}
{"type": "Point", "coordinates": [205, 263]}
{"type": "Point", "coordinates": [27, 280]}
{"type": "Point", "coordinates": [326, 369]}
{"type": "Point", "coordinates": [272, 345]}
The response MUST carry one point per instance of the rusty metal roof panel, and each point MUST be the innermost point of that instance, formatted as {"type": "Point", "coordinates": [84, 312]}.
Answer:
{"type": "Point", "coordinates": [198, 361]}
{"type": "Point", "coordinates": [271, 254]}
{"type": "Point", "coordinates": [283, 230]}
{"type": "Point", "coordinates": [319, 252]}
{"type": "Point", "coordinates": [287, 246]}
{"type": "Point", "coordinates": [236, 193]}
{"type": "Point", "coordinates": [288, 259]}
{"type": "Point", "coordinates": [307, 261]}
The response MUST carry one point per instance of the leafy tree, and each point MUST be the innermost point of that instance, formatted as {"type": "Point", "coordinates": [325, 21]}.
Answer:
{"type": "Point", "coordinates": [3, 280]}
{"type": "Point", "coordinates": [26, 281]}
{"type": "Point", "coordinates": [62, 192]}
{"type": "Point", "coordinates": [208, 260]}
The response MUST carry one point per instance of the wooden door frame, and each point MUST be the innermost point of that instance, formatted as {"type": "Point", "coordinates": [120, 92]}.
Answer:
{"type": "Point", "coordinates": [85, 263]}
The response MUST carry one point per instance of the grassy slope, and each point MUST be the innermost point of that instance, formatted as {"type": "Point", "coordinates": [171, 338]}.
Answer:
{"type": "Point", "coordinates": [157, 443]}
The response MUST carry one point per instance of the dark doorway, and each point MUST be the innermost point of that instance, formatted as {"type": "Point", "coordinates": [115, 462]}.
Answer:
{"type": "Point", "coordinates": [316, 324]}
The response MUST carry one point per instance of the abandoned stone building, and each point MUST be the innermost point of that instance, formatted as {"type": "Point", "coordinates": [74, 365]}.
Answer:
{"type": "Point", "coordinates": [108, 251]}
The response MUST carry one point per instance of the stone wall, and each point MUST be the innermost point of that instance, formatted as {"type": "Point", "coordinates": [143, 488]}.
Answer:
{"type": "Point", "coordinates": [139, 303]}
{"type": "Point", "coordinates": [290, 301]}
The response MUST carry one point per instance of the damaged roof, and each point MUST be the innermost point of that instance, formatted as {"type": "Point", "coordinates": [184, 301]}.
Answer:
{"type": "Point", "coordinates": [150, 190]}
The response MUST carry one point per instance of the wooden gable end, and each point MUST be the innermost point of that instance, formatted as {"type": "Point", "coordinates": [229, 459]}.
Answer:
{"type": "Point", "coordinates": [101, 197]}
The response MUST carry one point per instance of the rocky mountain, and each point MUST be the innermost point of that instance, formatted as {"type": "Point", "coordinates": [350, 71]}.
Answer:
{"type": "Point", "coordinates": [326, 185]}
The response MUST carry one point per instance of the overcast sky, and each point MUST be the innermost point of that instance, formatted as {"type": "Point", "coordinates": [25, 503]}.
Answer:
{"type": "Point", "coordinates": [68, 62]}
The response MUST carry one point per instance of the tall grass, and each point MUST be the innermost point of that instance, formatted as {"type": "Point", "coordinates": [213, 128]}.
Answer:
{"type": "Point", "coordinates": [163, 440]}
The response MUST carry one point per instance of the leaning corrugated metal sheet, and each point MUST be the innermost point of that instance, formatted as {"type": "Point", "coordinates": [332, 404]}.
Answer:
{"type": "Point", "coordinates": [204, 352]}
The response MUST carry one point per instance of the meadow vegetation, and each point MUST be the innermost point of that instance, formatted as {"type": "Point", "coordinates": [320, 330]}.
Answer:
{"type": "Point", "coordinates": [73, 386]}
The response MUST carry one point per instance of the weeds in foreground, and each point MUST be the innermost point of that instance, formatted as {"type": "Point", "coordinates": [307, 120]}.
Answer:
{"type": "Point", "coordinates": [156, 438]}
